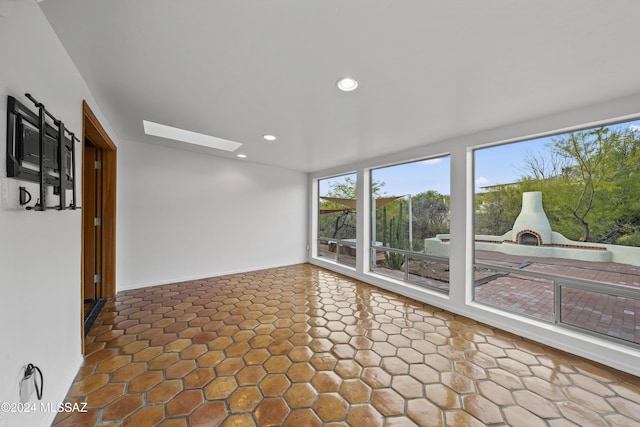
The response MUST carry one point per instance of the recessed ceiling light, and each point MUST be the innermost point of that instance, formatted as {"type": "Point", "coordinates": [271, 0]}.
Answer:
{"type": "Point", "coordinates": [242, 156]}
{"type": "Point", "coordinates": [269, 137]}
{"type": "Point", "coordinates": [347, 84]}
{"type": "Point", "coordinates": [169, 132]}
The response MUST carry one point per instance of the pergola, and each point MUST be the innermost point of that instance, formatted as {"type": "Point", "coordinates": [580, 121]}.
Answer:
{"type": "Point", "coordinates": [381, 201]}
{"type": "Point", "coordinates": [351, 203]}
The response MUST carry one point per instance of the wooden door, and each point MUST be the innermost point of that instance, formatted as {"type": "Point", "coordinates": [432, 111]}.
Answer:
{"type": "Point", "coordinates": [92, 223]}
{"type": "Point", "coordinates": [98, 201]}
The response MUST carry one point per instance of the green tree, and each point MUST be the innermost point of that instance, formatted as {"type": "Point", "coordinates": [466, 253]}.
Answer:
{"type": "Point", "coordinates": [497, 209]}
{"type": "Point", "coordinates": [591, 186]}
{"type": "Point", "coordinates": [341, 224]}
{"type": "Point", "coordinates": [430, 216]}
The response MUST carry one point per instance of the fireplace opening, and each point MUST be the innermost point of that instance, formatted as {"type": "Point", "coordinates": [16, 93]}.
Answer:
{"type": "Point", "coordinates": [528, 239]}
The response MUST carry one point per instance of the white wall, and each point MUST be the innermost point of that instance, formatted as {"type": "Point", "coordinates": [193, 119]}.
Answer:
{"type": "Point", "coordinates": [461, 244]}
{"type": "Point", "coordinates": [39, 251]}
{"type": "Point", "coordinates": [185, 215]}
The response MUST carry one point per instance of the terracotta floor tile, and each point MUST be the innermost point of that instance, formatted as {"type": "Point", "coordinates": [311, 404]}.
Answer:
{"type": "Point", "coordinates": [163, 361]}
{"type": "Point", "coordinates": [355, 391]}
{"type": "Point", "coordinates": [78, 419]}
{"type": "Point", "coordinates": [147, 354]}
{"type": "Point", "coordinates": [460, 418]}
{"type": "Point", "coordinates": [148, 416]}
{"type": "Point", "coordinates": [230, 366]}
{"type": "Point", "coordinates": [209, 414]}
{"type": "Point", "coordinates": [458, 382]}
{"type": "Point", "coordinates": [88, 385]}
{"type": "Point", "coordinates": [220, 388]}
{"type": "Point", "coordinates": [301, 395]}
{"type": "Point", "coordinates": [277, 364]}
{"type": "Point", "coordinates": [251, 375]}
{"type": "Point", "coordinates": [376, 377]}
{"type": "Point", "coordinates": [122, 407]}
{"type": "Point", "coordinates": [496, 393]}
{"type": "Point", "coordinates": [178, 345]}
{"type": "Point", "coordinates": [535, 404]}
{"type": "Point", "coordinates": [237, 349]}
{"type": "Point", "coordinates": [274, 385]}
{"type": "Point", "coordinates": [323, 361]}
{"type": "Point", "coordinates": [388, 402]}
{"type": "Point", "coordinates": [198, 378]}
{"type": "Point", "coordinates": [331, 407]}
{"type": "Point", "coordinates": [364, 415]}
{"type": "Point", "coordinates": [367, 358]}
{"type": "Point", "coordinates": [184, 403]}
{"type": "Point", "coordinates": [394, 365]}
{"type": "Point", "coordinates": [256, 356]}
{"type": "Point", "coordinates": [90, 348]}
{"type": "Point", "coordinates": [203, 337]}
{"type": "Point", "coordinates": [134, 347]}
{"type": "Point", "coordinates": [482, 409]}
{"type": "Point", "coordinates": [442, 396]}
{"type": "Point", "coordinates": [128, 372]}
{"type": "Point", "coordinates": [302, 346]}
{"type": "Point", "coordinates": [581, 415]}
{"type": "Point", "coordinates": [145, 382]}
{"type": "Point", "coordinates": [301, 372]}
{"type": "Point", "coordinates": [104, 395]}
{"type": "Point", "coordinates": [242, 420]}
{"type": "Point", "coordinates": [326, 381]}
{"type": "Point", "coordinates": [407, 386]}
{"type": "Point", "coordinates": [100, 356]}
{"type": "Point", "coordinates": [180, 369]}
{"type": "Point", "coordinates": [164, 391]}
{"type": "Point", "coordinates": [210, 358]}
{"type": "Point", "coordinates": [424, 413]}
{"type": "Point", "coordinates": [193, 351]}
{"type": "Point", "coordinates": [244, 399]}
{"type": "Point", "coordinates": [302, 417]}
{"type": "Point", "coordinates": [84, 372]}
{"type": "Point", "coordinates": [271, 412]}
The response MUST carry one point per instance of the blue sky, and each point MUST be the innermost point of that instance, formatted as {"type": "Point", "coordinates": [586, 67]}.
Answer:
{"type": "Point", "coordinates": [416, 177]}
{"type": "Point", "coordinates": [494, 165]}
{"type": "Point", "coordinates": [408, 178]}
{"type": "Point", "coordinates": [506, 163]}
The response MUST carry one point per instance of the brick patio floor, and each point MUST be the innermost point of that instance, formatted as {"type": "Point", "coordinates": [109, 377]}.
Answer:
{"type": "Point", "coordinates": [614, 316]}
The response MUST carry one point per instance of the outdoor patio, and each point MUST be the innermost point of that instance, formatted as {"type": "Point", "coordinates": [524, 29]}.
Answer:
{"type": "Point", "coordinates": [614, 316]}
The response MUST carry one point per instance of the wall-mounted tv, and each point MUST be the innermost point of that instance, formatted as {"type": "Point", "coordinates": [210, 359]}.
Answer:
{"type": "Point", "coordinates": [41, 150]}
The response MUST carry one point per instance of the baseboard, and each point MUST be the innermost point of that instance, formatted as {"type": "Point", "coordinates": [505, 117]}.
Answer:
{"type": "Point", "coordinates": [129, 287]}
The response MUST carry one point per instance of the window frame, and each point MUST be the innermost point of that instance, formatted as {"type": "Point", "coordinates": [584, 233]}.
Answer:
{"type": "Point", "coordinates": [559, 282]}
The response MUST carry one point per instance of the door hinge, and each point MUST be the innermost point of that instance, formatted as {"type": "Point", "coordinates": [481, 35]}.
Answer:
{"type": "Point", "coordinates": [97, 222]}
{"type": "Point", "coordinates": [97, 278]}
{"type": "Point", "coordinates": [98, 164]}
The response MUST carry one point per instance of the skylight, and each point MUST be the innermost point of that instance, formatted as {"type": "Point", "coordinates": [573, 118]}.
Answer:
{"type": "Point", "coordinates": [169, 132]}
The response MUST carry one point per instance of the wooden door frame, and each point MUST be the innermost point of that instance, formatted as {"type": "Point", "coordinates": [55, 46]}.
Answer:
{"type": "Point", "coordinates": [95, 133]}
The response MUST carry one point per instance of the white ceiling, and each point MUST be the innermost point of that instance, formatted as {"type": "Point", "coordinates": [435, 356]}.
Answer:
{"type": "Point", "coordinates": [428, 69]}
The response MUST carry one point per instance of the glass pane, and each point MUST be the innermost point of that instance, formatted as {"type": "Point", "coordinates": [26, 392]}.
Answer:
{"type": "Point", "coordinates": [410, 212]}
{"type": "Point", "coordinates": [388, 264]}
{"type": "Point", "coordinates": [610, 315]}
{"type": "Point", "coordinates": [517, 293]}
{"type": "Point", "coordinates": [564, 205]}
{"type": "Point", "coordinates": [337, 219]}
{"type": "Point", "coordinates": [433, 274]}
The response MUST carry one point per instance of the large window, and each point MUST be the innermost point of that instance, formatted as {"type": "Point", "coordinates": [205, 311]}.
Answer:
{"type": "Point", "coordinates": [410, 210]}
{"type": "Point", "coordinates": [557, 229]}
{"type": "Point", "coordinates": [337, 219]}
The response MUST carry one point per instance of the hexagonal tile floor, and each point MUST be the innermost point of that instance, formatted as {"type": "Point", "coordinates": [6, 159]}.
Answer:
{"type": "Point", "coordinates": [303, 346]}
